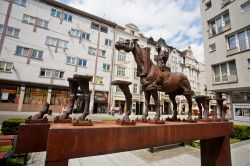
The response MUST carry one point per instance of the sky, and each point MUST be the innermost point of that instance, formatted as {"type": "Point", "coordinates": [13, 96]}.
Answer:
{"type": "Point", "coordinates": [176, 21]}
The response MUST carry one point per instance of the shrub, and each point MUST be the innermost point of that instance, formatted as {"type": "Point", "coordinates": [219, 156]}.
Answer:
{"type": "Point", "coordinates": [11, 126]}
{"type": "Point", "coordinates": [241, 132]}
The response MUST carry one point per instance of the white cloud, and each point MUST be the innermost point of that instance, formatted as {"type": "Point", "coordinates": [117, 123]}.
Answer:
{"type": "Point", "coordinates": [176, 21]}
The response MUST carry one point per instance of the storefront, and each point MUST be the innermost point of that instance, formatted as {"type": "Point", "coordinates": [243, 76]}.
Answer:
{"type": "Point", "coordinates": [9, 94]}
{"type": "Point", "coordinates": [241, 106]}
{"type": "Point", "coordinates": [101, 102]}
{"type": "Point", "coordinates": [36, 96]}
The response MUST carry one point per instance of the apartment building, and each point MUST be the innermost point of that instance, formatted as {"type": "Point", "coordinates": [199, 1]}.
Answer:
{"type": "Point", "coordinates": [45, 42]}
{"type": "Point", "coordinates": [226, 34]}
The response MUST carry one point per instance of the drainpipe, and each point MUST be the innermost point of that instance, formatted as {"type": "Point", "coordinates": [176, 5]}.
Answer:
{"type": "Point", "coordinates": [110, 99]}
{"type": "Point", "coordinates": [5, 25]}
{"type": "Point", "coordinates": [92, 97]}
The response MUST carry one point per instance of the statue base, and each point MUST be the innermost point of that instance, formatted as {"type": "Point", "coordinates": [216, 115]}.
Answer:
{"type": "Point", "coordinates": [216, 120]}
{"type": "Point", "coordinates": [224, 120]}
{"type": "Point", "coordinates": [29, 120]}
{"type": "Point", "coordinates": [203, 120]}
{"type": "Point", "coordinates": [156, 121]}
{"type": "Point", "coordinates": [86, 122]}
{"type": "Point", "coordinates": [172, 119]}
{"type": "Point", "coordinates": [63, 120]}
{"type": "Point", "coordinates": [189, 120]}
{"type": "Point", "coordinates": [141, 120]}
{"type": "Point", "coordinates": [123, 122]}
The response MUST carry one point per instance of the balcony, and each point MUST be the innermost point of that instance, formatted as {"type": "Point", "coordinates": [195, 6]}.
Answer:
{"type": "Point", "coordinates": [226, 78]}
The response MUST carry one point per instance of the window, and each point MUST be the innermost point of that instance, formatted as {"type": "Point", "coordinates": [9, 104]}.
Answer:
{"type": "Point", "coordinates": [1, 28]}
{"type": "Point", "coordinates": [67, 17]}
{"type": "Point", "coordinates": [20, 2]}
{"type": "Point", "coordinates": [106, 67]}
{"type": "Point", "coordinates": [225, 72]}
{"type": "Point", "coordinates": [98, 80]}
{"type": "Point", "coordinates": [85, 35]}
{"type": "Point", "coordinates": [56, 42]}
{"type": "Point", "coordinates": [62, 43]}
{"type": "Point", "coordinates": [58, 74]}
{"type": "Point", "coordinates": [240, 41]}
{"type": "Point", "coordinates": [245, 6]}
{"type": "Point", "coordinates": [135, 72]}
{"type": "Point", "coordinates": [121, 56]}
{"type": "Point", "coordinates": [212, 47]}
{"type": "Point", "coordinates": [104, 29]}
{"type": "Point", "coordinates": [75, 32]}
{"type": "Point", "coordinates": [120, 71]}
{"type": "Point", "coordinates": [51, 41]}
{"type": "Point", "coordinates": [22, 51]}
{"type": "Point", "coordinates": [248, 63]}
{"type": "Point", "coordinates": [6, 66]}
{"type": "Point", "coordinates": [14, 32]}
{"type": "Point", "coordinates": [208, 4]}
{"type": "Point", "coordinates": [28, 19]}
{"type": "Point", "coordinates": [108, 42]}
{"type": "Point", "coordinates": [132, 32]}
{"type": "Point", "coordinates": [55, 13]}
{"type": "Point", "coordinates": [42, 23]}
{"type": "Point", "coordinates": [94, 26]}
{"type": "Point", "coordinates": [135, 88]}
{"type": "Point", "coordinates": [225, 2]}
{"type": "Point", "coordinates": [231, 42]}
{"type": "Point", "coordinates": [71, 60]}
{"type": "Point", "coordinates": [92, 51]}
{"type": "Point", "coordinates": [219, 24]}
{"type": "Point", "coordinates": [48, 73]}
{"type": "Point", "coordinates": [37, 54]}
{"type": "Point", "coordinates": [82, 62]}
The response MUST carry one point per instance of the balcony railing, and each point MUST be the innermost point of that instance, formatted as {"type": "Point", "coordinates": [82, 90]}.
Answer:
{"type": "Point", "coordinates": [226, 78]}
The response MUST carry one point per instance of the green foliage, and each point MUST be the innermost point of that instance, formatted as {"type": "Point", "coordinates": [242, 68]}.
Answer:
{"type": "Point", "coordinates": [234, 140]}
{"type": "Point", "coordinates": [241, 132]}
{"type": "Point", "coordinates": [11, 126]}
{"type": "Point", "coordinates": [195, 144]}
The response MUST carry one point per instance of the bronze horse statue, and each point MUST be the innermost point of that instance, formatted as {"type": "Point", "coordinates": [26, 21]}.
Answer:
{"type": "Point", "coordinates": [153, 79]}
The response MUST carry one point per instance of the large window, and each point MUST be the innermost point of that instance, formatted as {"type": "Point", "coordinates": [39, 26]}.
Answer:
{"type": "Point", "coordinates": [121, 56]}
{"type": "Point", "coordinates": [225, 72]}
{"type": "Point", "coordinates": [212, 47]}
{"type": "Point", "coordinates": [92, 51]}
{"type": "Point", "coordinates": [6, 66]}
{"type": "Point", "coordinates": [35, 96]}
{"type": "Point", "coordinates": [24, 51]}
{"type": "Point", "coordinates": [67, 17]}
{"type": "Point", "coordinates": [219, 24]}
{"type": "Point", "coordinates": [239, 42]}
{"type": "Point", "coordinates": [29, 19]}
{"type": "Point", "coordinates": [120, 71]}
{"type": "Point", "coordinates": [56, 42]}
{"type": "Point", "coordinates": [13, 32]}
{"type": "Point", "coordinates": [98, 80]}
{"type": "Point", "coordinates": [96, 27]}
{"type": "Point", "coordinates": [85, 35]}
{"type": "Point", "coordinates": [245, 6]}
{"type": "Point", "coordinates": [51, 73]}
{"type": "Point", "coordinates": [135, 88]}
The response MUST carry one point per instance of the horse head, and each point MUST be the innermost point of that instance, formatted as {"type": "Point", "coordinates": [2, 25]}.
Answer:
{"type": "Point", "coordinates": [126, 45]}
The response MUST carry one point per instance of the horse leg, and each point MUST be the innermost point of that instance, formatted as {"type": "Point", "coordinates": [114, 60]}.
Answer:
{"type": "Point", "coordinates": [147, 95]}
{"type": "Point", "coordinates": [189, 100]}
{"type": "Point", "coordinates": [157, 105]}
{"type": "Point", "coordinates": [172, 98]}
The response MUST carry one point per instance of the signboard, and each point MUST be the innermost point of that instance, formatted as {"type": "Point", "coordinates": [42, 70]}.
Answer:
{"type": "Point", "coordinates": [4, 96]}
{"type": "Point", "coordinates": [241, 111]}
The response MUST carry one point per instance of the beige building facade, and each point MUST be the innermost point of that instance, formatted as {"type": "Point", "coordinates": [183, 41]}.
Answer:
{"type": "Point", "coordinates": [226, 34]}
